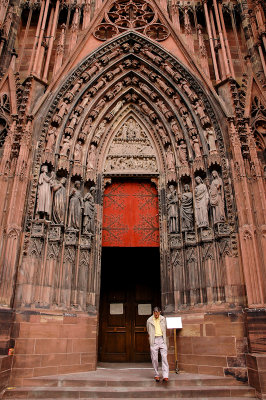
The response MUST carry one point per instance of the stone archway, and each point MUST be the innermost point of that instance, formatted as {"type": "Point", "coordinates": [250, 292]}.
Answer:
{"type": "Point", "coordinates": [131, 74]}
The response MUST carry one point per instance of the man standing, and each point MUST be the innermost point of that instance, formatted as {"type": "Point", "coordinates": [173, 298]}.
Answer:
{"type": "Point", "coordinates": [156, 328]}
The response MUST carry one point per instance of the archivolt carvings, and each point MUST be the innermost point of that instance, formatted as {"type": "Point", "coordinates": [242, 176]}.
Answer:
{"type": "Point", "coordinates": [106, 97]}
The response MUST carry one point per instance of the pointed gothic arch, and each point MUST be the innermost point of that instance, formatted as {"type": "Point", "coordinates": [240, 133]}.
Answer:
{"type": "Point", "coordinates": [131, 75]}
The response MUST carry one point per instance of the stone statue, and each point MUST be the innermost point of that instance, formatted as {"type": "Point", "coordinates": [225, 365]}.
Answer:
{"type": "Point", "coordinates": [65, 146]}
{"type": "Point", "coordinates": [172, 209]}
{"type": "Point", "coordinates": [44, 193]}
{"type": "Point", "coordinates": [201, 203]}
{"type": "Point", "coordinates": [210, 138]}
{"type": "Point", "coordinates": [182, 152]}
{"type": "Point", "coordinates": [59, 203]}
{"type": "Point", "coordinates": [89, 211]}
{"type": "Point", "coordinates": [51, 137]}
{"type": "Point", "coordinates": [75, 204]}
{"type": "Point", "coordinates": [91, 157]}
{"type": "Point", "coordinates": [78, 151]}
{"type": "Point", "coordinates": [99, 132]}
{"type": "Point", "coordinates": [170, 159]}
{"type": "Point", "coordinates": [217, 198]}
{"type": "Point", "coordinates": [196, 146]}
{"type": "Point", "coordinates": [186, 210]}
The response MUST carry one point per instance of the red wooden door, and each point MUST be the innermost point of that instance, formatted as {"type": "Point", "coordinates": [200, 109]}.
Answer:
{"type": "Point", "coordinates": [130, 215]}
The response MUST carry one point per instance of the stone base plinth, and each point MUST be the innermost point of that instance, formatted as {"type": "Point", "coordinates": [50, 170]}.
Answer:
{"type": "Point", "coordinates": [52, 343]}
{"type": "Point", "coordinates": [212, 343]}
{"type": "Point", "coordinates": [256, 364]}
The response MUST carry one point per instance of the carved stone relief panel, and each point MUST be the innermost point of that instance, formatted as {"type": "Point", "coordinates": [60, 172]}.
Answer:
{"type": "Point", "coordinates": [131, 151]}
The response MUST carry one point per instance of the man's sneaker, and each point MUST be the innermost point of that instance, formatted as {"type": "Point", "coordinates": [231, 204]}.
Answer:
{"type": "Point", "coordinates": [157, 378]}
{"type": "Point", "coordinates": [165, 379]}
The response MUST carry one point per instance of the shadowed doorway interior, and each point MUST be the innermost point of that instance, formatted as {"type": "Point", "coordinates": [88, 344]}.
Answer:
{"type": "Point", "coordinates": [130, 287]}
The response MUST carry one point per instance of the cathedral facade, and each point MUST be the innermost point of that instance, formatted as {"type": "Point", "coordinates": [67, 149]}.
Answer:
{"type": "Point", "coordinates": [132, 168]}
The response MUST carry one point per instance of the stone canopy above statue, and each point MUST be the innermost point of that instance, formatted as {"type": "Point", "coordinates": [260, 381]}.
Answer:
{"type": "Point", "coordinates": [131, 151]}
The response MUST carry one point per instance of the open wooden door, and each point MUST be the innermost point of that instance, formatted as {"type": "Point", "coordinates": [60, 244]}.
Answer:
{"type": "Point", "coordinates": [130, 281]}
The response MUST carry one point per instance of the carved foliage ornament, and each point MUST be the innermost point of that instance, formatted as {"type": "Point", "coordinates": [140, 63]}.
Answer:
{"type": "Point", "coordinates": [129, 14]}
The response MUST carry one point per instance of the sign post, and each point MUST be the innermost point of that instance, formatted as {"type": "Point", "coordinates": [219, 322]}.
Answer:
{"type": "Point", "coordinates": [174, 323]}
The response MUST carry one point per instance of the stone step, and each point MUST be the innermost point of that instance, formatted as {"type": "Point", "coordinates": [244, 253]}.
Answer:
{"type": "Point", "coordinates": [158, 392]}
{"type": "Point", "coordinates": [67, 382]}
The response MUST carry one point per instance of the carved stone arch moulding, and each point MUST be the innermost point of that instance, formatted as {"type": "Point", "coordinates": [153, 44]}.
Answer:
{"type": "Point", "coordinates": [130, 108]}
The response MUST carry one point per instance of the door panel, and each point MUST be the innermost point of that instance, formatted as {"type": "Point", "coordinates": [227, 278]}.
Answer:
{"type": "Point", "coordinates": [123, 337]}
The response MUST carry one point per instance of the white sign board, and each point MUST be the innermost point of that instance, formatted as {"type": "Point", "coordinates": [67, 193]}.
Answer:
{"type": "Point", "coordinates": [174, 322]}
{"type": "Point", "coordinates": [116, 309]}
{"type": "Point", "coordinates": [144, 309]}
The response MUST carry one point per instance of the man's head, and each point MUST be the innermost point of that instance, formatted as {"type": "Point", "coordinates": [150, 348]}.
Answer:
{"type": "Point", "coordinates": [156, 312]}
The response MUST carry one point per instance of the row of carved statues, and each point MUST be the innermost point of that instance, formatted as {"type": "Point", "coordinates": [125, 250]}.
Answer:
{"type": "Point", "coordinates": [196, 205]}
{"type": "Point", "coordinates": [52, 202]}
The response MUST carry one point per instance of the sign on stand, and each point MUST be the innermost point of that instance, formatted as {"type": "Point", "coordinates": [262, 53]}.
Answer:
{"type": "Point", "coordinates": [174, 323]}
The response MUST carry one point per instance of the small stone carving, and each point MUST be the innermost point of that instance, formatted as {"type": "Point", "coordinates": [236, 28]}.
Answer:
{"type": "Point", "coordinates": [172, 199]}
{"type": "Point", "coordinates": [201, 203]}
{"type": "Point", "coordinates": [99, 132]}
{"type": "Point", "coordinates": [191, 95]}
{"type": "Point", "coordinates": [75, 204]}
{"type": "Point", "coordinates": [89, 211]}
{"type": "Point", "coordinates": [186, 210]}
{"type": "Point", "coordinates": [59, 203]}
{"type": "Point", "coordinates": [196, 146]}
{"type": "Point", "coordinates": [62, 111]}
{"type": "Point", "coordinates": [65, 147]}
{"type": "Point", "coordinates": [162, 134]}
{"type": "Point", "coordinates": [176, 130]}
{"type": "Point", "coordinates": [78, 152]}
{"type": "Point", "coordinates": [217, 198]}
{"type": "Point", "coordinates": [44, 193]}
{"type": "Point", "coordinates": [51, 138]}
{"type": "Point", "coordinates": [204, 119]}
{"type": "Point", "coordinates": [91, 157]}
{"type": "Point", "coordinates": [182, 152]}
{"type": "Point", "coordinates": [210, 138]}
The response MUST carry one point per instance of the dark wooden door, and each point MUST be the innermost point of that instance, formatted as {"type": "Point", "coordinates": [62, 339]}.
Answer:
{"type": "Point", "coordinates": [130, 288]}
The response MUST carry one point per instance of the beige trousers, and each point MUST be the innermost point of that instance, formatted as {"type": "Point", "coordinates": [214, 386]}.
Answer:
{"type": "Point", "coordinates": [159, 345]}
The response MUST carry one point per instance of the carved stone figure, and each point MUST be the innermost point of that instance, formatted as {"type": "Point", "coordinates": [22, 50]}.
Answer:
{"type": "Point", "coordinates": [131, 129]}
{"type": "Point", "coordinates": [78, 152]}
{"type": "Point", "coordinates": [65, 146]}
{"type": "Point", "coordinates": [201, 203]}
{"type": "Point", "coordinates": [91, 157]}
{"type": "Point", "coordinates": [89, 211]}
{"type": "Point", "coordinates": [217, 198]}
{"type": "Point", "coordinates": [170, 160]}
{"type": "Point", "coordinates": [99, 132]}
{"type": "Point", "coordinates": [196, 146]}
{"type": "Point", "coordinates": [182, 152]}
{"type": "Point", "coordinates": [59, 203]}
{"type": "Point", "coordinates": [75, 204]}
{"type": "Point", "coordinates": [44, 193]}
{"type": "Point", "coordinates": [172, 199]}
{"type": "Point", "coordinates": [162, 134]}
{"type": "Point", "coordinates": [51, 139]}
{"type": "Point", "coordinates": [210, 138]}
{"type": "Point", "coordinates": [117, 107]}
{"type": "Point", "coordinates": [186, 210]}
{"type": "Point", "coordinates": [61, 113]}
